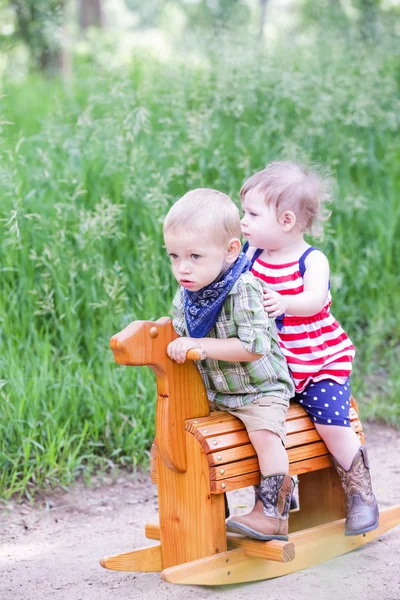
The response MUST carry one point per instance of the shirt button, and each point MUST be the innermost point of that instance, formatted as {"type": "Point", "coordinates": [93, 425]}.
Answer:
{"type": "Point", "coordinates": [219, 379]}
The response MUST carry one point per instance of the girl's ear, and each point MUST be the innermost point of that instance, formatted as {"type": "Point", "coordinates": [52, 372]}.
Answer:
{"type": "Point", "coordinates": [288, 220]}
{"type": "Point", "coordinates": [233, 251]}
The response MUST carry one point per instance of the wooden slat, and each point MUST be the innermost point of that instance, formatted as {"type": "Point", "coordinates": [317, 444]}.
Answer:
{"type": "Point", "coordinates": [311, 464]}
{"type": "Point", "coordinates": [302, 424]}
{"type": "Point", "coordinates": [301, 453]}
{"type": "Point", "coordinates": [143, 559]}
{"type": "Point", "coordinates": [214, 417]}
{"type": "Point", "coordinates": [237, 453]}
{"type": "Point", "coordinates": [302, 437]}
{"type": "Point", "coordinates": [353, 413]}
{"type": "Point", "coordinates": [217, 426]}
{"type": "Point", "coordinates": [152, 531]}
{"type": "Point", "coordinates": [222, 442]}
{"type": "Point", "coordinates": [235, 483]}
{"type": "Point", "coordinates": [236, 468]}
{"type": "Point", "coordinates": [274, 550]}
{"type": "Point", "coordinates": [295, 411]}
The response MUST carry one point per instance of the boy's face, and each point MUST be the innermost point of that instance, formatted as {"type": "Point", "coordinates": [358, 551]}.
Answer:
{"type": "Point", "coordinates": [197, 260]}
{"type": "Point", "coordinates": [260, 225]}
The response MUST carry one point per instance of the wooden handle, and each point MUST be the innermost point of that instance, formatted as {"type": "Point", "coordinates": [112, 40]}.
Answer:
{"type": "Point", "coordinates": [193, 354]}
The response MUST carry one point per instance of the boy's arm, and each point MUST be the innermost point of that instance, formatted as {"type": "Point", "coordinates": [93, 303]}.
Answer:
{"type": "Point", "coordinates": [231, 349]}
{"type": "Point", "coordinates": [311, 300]}
{"type": "Point", "coordinates": [248, 316]}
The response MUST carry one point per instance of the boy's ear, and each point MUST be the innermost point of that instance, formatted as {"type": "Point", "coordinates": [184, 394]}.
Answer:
{"type": "Point", "coordinates": [233, 251]}
{"type": "Point", "coordinates": [288, 220]}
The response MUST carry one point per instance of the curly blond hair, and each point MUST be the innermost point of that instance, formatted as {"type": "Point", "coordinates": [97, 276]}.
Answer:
{"type": "Point", "coordinates": [287, 185]}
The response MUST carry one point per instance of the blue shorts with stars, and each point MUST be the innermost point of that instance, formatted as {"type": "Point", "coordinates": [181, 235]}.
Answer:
{"type": "Point", "coordinates": [327, 402]}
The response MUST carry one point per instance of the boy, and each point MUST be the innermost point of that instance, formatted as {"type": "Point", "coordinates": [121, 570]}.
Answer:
{"type": "Point", "coordinates": [219, 310]}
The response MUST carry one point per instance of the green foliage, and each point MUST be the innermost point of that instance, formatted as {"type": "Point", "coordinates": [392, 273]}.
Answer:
{"type": "Point", "coordinates": [85, 180]}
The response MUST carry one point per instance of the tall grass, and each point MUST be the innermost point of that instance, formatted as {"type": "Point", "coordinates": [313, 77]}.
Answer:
{"type": "Point", "coordinates": [85, 179]}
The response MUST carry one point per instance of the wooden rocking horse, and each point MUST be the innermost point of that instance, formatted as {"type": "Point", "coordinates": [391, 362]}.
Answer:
{"type": "Point", "coordinates": [197, 456]}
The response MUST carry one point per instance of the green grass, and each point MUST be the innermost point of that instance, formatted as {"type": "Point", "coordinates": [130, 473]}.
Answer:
{"type": "Point", "coordinates": [85, 179]}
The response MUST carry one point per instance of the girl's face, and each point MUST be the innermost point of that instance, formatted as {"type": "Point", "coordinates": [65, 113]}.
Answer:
{"type": "Point", "coordinates": [197, 260]}
{"type": "Point", "coordinates": [260, 224]}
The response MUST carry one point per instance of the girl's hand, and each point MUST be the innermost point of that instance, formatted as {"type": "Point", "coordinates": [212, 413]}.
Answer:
{"type": "Point", "coordinates": [274, 304]}
{"type": "Point", "coordinates": [178, 349]}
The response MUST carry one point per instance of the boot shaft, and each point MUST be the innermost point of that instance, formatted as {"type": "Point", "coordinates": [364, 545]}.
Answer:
{"type": "Point", "coordinates": [357, 480]}
{"type": "Point", "coordinates": [275, 493]}
{"type": "Point", "coordinates": [269, 518]}
{"type": "Point", "coordinates": [362, 513]}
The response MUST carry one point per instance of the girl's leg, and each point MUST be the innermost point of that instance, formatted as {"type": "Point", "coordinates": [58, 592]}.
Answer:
{"type": "Point", "coordinates": [328, 405]}
{"type": "Point", "coordinates": [342, 442]}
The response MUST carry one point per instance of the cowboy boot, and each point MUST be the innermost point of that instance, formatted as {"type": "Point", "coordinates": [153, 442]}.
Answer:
{"type": "Point", "coordinates": [269, 518]}
{"type": "Point", "coordinates": [293, 501]}
{"type": "Point", "coordinates": [362, 513]}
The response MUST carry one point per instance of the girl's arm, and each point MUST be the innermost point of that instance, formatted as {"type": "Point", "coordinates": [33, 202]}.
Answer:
{"type": "Point", "coordinates": [311, 300]}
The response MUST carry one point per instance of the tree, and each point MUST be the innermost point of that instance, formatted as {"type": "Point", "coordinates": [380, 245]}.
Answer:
{"type": "Point", "coordinates": [39, 24]}
{"type": "Point", "coordinates": [90, 13]}
{"type": "Point", "coordinates": [263, 15]}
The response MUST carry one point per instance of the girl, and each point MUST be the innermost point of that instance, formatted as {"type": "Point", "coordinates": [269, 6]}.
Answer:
{"type": "Point", "coordinates": [281, 204]}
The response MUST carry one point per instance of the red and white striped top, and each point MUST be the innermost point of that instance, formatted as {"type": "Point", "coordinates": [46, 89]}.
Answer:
{"type": "Point", "coordinates": [315, 347]}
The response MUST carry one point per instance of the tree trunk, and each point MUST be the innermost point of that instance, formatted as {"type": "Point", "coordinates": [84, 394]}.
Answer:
{"type": "Point", "coordinates": [33, 25]}
{"type": "Point", "coordinates": [263, 14]}
{"type": "Point", "coordinates": [368, 20]}
{"type": "Point", "coordinates": [90, 14]}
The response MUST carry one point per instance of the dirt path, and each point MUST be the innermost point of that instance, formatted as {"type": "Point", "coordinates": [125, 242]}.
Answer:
{"type": "Point", "coordinates": [53, 553]}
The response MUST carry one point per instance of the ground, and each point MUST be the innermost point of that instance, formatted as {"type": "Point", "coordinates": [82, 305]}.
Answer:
{"type": "Point", "coordinates": [52, 551]}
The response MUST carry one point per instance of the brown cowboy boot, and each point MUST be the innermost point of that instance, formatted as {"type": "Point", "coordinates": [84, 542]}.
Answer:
{"type": "Point", "coordinates": [362, 513]}
{"type": "Point", "coordinates": [293, 501]}
{"type": "Point", "coordinates": [269, 518]}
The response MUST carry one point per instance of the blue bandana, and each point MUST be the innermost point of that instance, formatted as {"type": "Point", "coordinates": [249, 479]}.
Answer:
{"type": "Point", "coordinates": [202, 307]}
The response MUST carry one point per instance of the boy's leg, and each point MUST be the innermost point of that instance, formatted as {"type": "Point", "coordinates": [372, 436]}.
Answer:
{"type": "Point", "coordinates": [271, 453]}
{"type": "Point", "coordinates": [269, 518]}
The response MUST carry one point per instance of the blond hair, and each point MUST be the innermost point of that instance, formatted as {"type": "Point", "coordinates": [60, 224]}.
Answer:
{"type": "Point", "coordinates": [207, 211]}
{"type": "Point", "coordinates": [287, 185]}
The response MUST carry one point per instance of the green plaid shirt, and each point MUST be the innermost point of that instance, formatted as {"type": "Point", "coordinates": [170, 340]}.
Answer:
{"type": "Point", "coordinates": [234, 384]}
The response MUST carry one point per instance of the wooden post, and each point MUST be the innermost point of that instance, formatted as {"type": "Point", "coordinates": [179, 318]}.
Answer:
{"type": "Point", "coordinates": [192, 520]}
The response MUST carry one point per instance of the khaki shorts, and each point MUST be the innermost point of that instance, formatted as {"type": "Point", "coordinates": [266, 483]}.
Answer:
{"type": "Point", "coordinates": [265, 413]}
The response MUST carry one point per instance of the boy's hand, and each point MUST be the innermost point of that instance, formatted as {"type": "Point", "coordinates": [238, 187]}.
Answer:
{"type": "Point", "coordinates": [274, 304]}
{"type": "Point", "coordinates": [178, 349]}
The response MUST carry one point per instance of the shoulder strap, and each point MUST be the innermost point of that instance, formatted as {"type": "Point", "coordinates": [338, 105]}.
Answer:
{"type": "Point", "coordinates": [255, 255]}
{"type": "Point", "coordinates": [302, 260]}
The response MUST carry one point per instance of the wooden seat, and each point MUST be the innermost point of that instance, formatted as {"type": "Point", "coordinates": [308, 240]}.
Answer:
{"type": "Point", "coordinates": [232, 459]}
{"type": "Point", "coordinates": [197, 456]}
